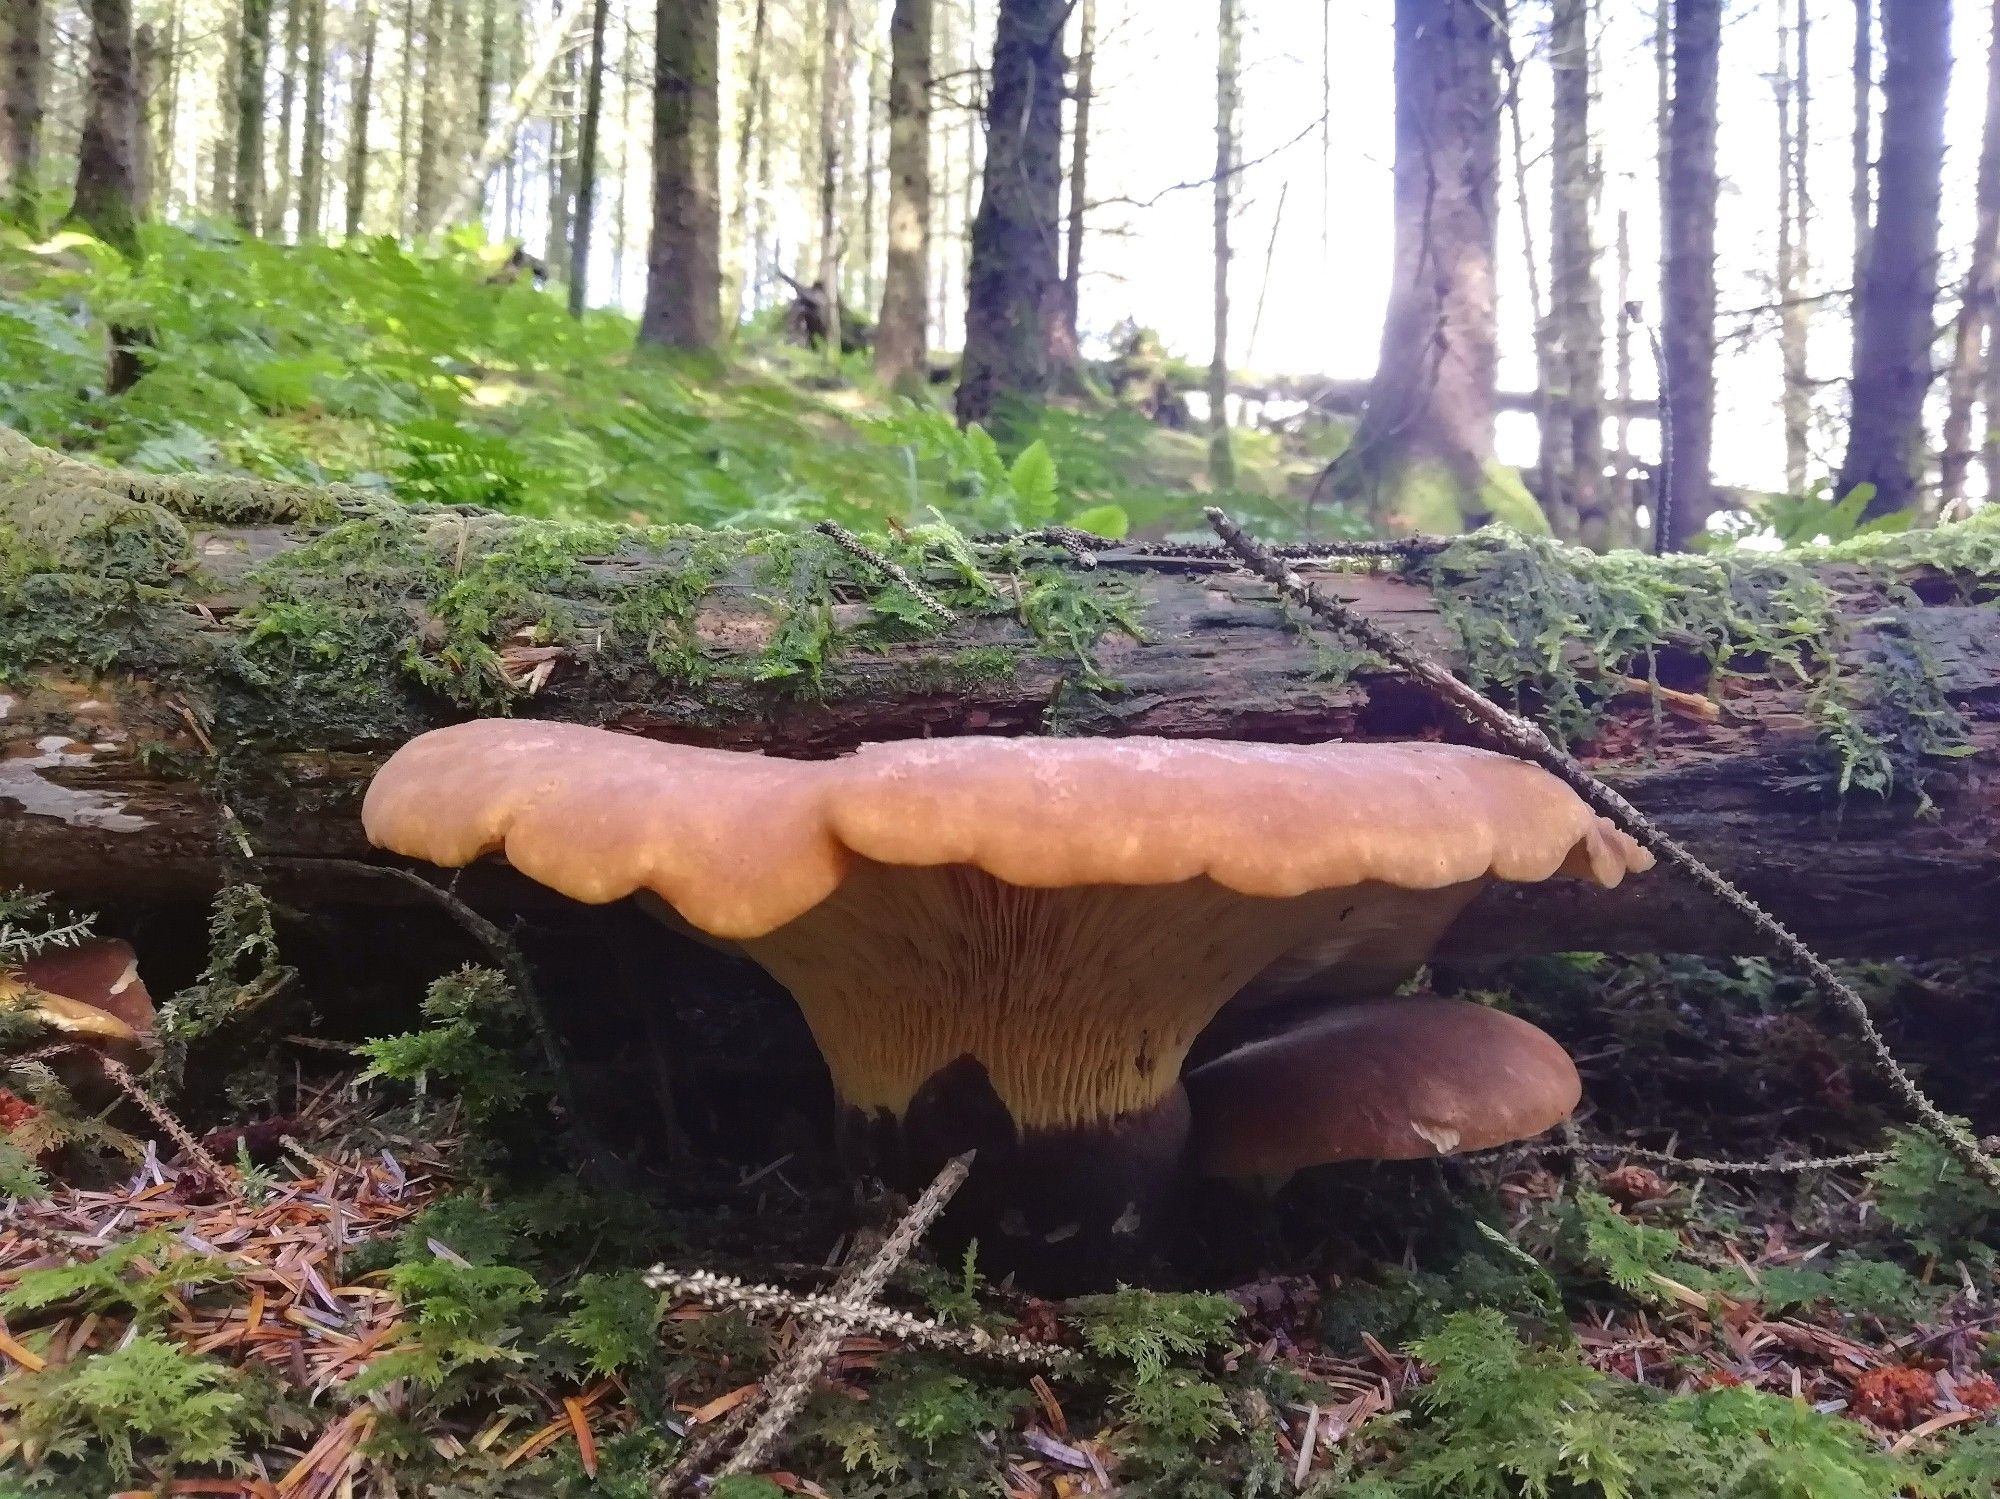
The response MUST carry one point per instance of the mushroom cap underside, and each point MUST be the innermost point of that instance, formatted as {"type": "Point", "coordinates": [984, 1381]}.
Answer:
{"type": "Point", "coordinates": [740, 844]}
{"type": "Point", "coordinates": [1396, 1079]}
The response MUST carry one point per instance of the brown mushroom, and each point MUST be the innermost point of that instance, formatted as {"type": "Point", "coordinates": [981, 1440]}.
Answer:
{"type": "Point", "coordinates": [1008, 944]}
{"type": "Point", "coordinates": [90, 993]}
{"type": "Point", "coordinates": [1387, 1080]}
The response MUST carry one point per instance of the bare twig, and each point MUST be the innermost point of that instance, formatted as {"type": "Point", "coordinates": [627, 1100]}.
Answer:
{"type": "Point", "coordinates": [854, 546]}
{"type": "Point", "coordinates": [726, 1290]}
{"type": "Point", "coordinates": [1526, 740]}
{"type": "Point", "coordinates": [1694, 1164]}
{"type": "Point", "coordinates": [788, 1385]}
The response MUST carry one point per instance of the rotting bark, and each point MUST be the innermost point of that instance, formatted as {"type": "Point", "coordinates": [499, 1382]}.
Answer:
{"type": "Point", "coordinates": [163, 665]}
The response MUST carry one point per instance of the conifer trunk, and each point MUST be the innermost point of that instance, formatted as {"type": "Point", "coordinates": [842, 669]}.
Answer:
{"type": "Point", "coordinates": [1897, 294]}
{"type": "Point", "coordinates": [247, 176]}
{"type": "Point", "coordinates": [683, 270]}
{"type": "Point", "coordinates": [288, 98]}
{"type": "Point", "coordinates": [1014, 284]}
{"type": "Point", "coordinates": [107, 187]}
{"type": "Point", "coordinates": [902, 333]}
{"type": "Point", "coordinates": [429, 114]}
{"type": "Point", "coordinates": [312, 152]}
{"type": "Point", "coordinates": [1793, 86]}
{"type": "Point", "coordinates": [1228, 49]}
{"type": "Point", "coordinates": [586, 162]}
{"type": "Point", "coordinates": [750, 207]}
{"type": "Point", "coordinates": [26, 83]}
{"type": "Point", "coordinates": [1976, 303]}
{"type": "Point", "coordinates": [1422, 457]}
{"type": "Point", "coordinates": [832, 111]}
{"type": "Point", "coordinates": [1576, 300]}
{"type": "Point", "coordinates": [357, 130]}
{"type": "Point", "coordinates": [1079, 164]}
{"type": "Point", "coordinates": [1688, 294]}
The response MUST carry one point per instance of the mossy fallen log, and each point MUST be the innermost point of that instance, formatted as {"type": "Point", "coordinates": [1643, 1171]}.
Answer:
{"type": "Point", "coordinates": [198, 675]}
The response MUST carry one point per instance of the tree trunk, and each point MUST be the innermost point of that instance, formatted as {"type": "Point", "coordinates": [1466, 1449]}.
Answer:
{"type": "Point", "coordinates": [27, 75]}
{"type": "Point", "coordinates": [586, 161]}
{"type": "Point", "coordinates": [357, 130]}
{"type": "Point", "coordinates": [247, 177]}
{"type": "Point", "coordinates": [1975, 307]}
{"type": "Point", "coordinates": [430, 108]}
{"type": "Point", "coordinates": [562, 165]}
{"type": "Point", "coordinates": [1862, 197]}
{"type": "Point", "coordinates": [1013, 283]}
{"type": "Point", "coordinates": [1688, 293]}
{"type": "Point", "coordinates": [546, 51]}
{"type": "Point", "coordinates": [1228, 49]}
{"type": "Point", "coordinates": [312, 152]}
{"type": "Point", "coordinates": [1897, 294]}
{"type": "Point", "coordinates": [878, 88]}
{"type": "Point", "coordinates": [1422, 457]}
{"type": "Point", "coordinates": [683, 266]}
{"type": "Point", "coordinates": [112, 776]}
{"type": "Point", "coordinates": [1793, 88]}
{"type": "Point", "coordinates": [902, 333]}
{"type": "Point", "coordinates": [107, 187]}
{"type": "Point", "coordinates": [1626, 492]}
{"type": "Point", "coordinates": [1576, 301]}
{"type": "Point", "coordinates": [832, 111]}
{"type": "Point", "coordinates": [750, 208]}
{"type": "Point", "coordinates": [146, 159]}
{"type": "Point", "coordinates": [288, 99]}
{"type": "Point", "coordinates": [1079, 166]}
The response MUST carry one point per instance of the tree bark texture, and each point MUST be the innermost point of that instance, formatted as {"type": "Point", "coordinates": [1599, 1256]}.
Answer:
{"type": "Point", "coordinates": [1861, 198]}
{"type": "Point", "coordinates": [107, 181]}
{"type": "Point", "coordinates": [1688, 294]}
{"type": "Point", "coordinates": [1896, 298]}
{"type": "Point", "coordinates": [27, 79]}
{"type": "Point", "coordinates": [357, 130]}
{"type": "Point", "coordinates": [902, 333]}
{"type": "Point", "coordinates": [586, 162]}
{"type": "Point", "coordinates": [280, 198]}
{"type": "Point", "coordinates": [833, 78]}
{"type": "Point", "coordinates": [1576, 300]}
{"type": "Point", "coordinates": [1975, 305]}
{"type": "Point", "coordinates": [312, 147]}
{"type": "Point", "coordinates": [430, 113]}
{"type": "Point", "coordinates": [162, 665]}
{"type": "Point", "coordinates": [750, 208]}
{"type": "Point", "coordinates": [1422, 457]}
{"type": "Point", "coordinates": [1079, 164]}
{"type": "Point", "coordinates": [683, 265]}
{"type": "Point", "coordinates": [1014, 284]}
{"type": "Point", "coordinates": [247, 178]}
{"type": "Point", "coordinates": [1792, 84]}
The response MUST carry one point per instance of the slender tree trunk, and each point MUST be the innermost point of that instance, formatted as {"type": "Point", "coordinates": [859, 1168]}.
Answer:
{"type": "Point", "coordinates": [489, 50]}
{"type": "Point", "coordinates": [683, 267]}
{"type": "Point", "coordinates": [1793, 87]}
{"type": "Point", "coordinates": [357, 130]}
{"type": "Point", "coordinates": [1079, 165]}
{"type": "Point", "coordinates": [1228, 50]}
{"type": "Point", "coordinates": [832, 109]}
{"type": "Point", "coordinates": [312, 151]}
{"type": "Point", "coordinates": [1975, 308]}
{"type": "Point", "coordinates": [878, 88]}
{"type": "Point", "coordinates": [146, 88]}
{"type": "Point", "coordinates": [405, 97]}
{"type": "Point", "coordinates": [223, 163]}
{"type": "Point", "coordinates": [163, 103]}
{"type": "Point", "coordinates": [107, 188]}
{"type": "Point", "coordinates": [562, 164]}
{"type": "Point", "coordinates": [1422, 457]}
{"type": "Point", "coordinates": [247, 195]}
{"type": "Point", "coordinates": [288, 98]}
{"type": "Point", "coordinates": [1576, 301]}
{"type": "Point", "coordinates": [901, 335]}
{"type": "Point", "coordinates": [429, 113]}
{"type": "Point", "coordinates": [1898, 290]}
{"type": "Point", "coordinates": [749, 207]}
{"type": "Point", "coordinates": [1862, 198]}
{"type": "Point", "coordinates": [27, 76]}
{"type": "Point", "coordinates": [1014, 285]}
{"type": "Point", "coordinates": [545, 51]}
{"type": "Point", "coordinates": [586, 164]}
{"type": "Point", "coordinates": [1688, 293]}
{"type": "Point", "coordinates": [1626, 482]}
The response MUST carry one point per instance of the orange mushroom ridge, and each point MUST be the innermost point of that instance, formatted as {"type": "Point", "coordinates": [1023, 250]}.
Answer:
{"type": "Point", "coordinates": [1010, 944]}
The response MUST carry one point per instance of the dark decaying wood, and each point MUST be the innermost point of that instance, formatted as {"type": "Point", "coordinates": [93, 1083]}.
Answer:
{"type": "Point", "coordinates": [113, 790]}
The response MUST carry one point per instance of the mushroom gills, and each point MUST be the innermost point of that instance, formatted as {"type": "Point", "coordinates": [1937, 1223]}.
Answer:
{"type": "Point", "coordinates": [1397, 1079]}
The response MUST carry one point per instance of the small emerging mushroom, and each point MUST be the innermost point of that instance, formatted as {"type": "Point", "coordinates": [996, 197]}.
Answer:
{"type": "Point", "coordinates": [90, 994]}
{"type": "Point", "coordinates": [1009, 944]}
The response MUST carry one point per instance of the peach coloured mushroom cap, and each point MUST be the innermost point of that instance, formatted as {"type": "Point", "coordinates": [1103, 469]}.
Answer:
{"type": "Point", "coordinates": [1067, 913]}
{"type": "Point", "coordinates": [1397, 1079]}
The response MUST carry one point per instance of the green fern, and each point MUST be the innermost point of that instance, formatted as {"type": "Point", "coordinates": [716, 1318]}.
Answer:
{"type": "Point", "coordinates": [139, 1278]}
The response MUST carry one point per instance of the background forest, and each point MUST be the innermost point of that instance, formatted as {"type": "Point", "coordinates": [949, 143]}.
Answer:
{"type": "Point", "coordinates": [573, 332]}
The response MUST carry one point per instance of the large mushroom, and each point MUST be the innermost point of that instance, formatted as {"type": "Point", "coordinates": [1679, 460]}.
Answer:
{"type": "Point", "coordinates": [1010, 944]}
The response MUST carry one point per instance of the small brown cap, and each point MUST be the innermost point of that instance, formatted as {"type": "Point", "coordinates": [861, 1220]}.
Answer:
{"type": "Point", "coordinates": [1396, 1079]}
{"type": "Point", "coordinates": [103, 973]}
